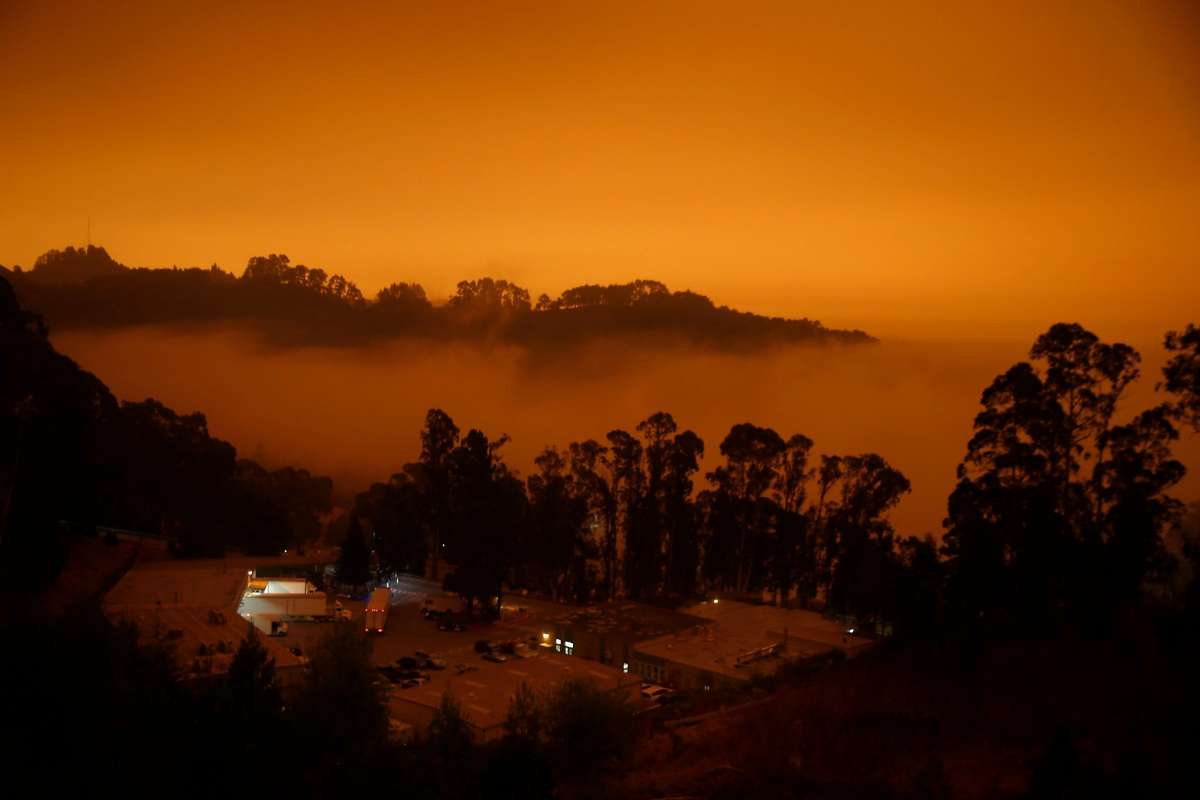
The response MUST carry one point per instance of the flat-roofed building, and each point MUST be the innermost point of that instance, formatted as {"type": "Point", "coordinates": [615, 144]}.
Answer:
{"type": "Point", "coordinates": [608, 632]}
{"type": "Point", "coordinates": [485, 691]}
{"type": "Point", "coordinates": [191, 608]}
{"type": "Point", "coordinates": [736, 642]}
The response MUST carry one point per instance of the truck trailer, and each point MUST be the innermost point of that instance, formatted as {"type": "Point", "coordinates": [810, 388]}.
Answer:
{"type": "Point", "coordinates": [376, 613]}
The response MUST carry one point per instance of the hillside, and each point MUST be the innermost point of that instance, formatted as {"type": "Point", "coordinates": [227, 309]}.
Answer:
{"type": "Point", "coordinates": [1068, 717]}
{"type": "Point", "coordinates": [295, 304]}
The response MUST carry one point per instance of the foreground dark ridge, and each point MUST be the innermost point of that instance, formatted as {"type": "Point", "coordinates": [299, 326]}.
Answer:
{"type": "Point", "coordinates": [294, 304]}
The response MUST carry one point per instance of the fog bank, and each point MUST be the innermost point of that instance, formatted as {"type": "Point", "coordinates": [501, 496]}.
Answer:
{"type": "Point", "coordinates": [354, 413]}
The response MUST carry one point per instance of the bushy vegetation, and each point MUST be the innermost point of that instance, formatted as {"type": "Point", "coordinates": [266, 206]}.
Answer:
{"type": "Point", "coordinates": [296, 304]}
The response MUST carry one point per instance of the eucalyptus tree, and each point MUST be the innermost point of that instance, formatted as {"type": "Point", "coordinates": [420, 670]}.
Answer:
{"type": "Point", "coordinates": [1030, 533]}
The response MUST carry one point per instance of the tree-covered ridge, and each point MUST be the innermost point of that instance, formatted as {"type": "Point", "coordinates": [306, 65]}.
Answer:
{"type": "Point", "coordinates": [294, 303]}
{"type": "Point", "coordinates": [74, 459]}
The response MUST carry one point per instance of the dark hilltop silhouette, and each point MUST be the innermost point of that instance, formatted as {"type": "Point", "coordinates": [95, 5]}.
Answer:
{"type": "Point", "coordinates": [294, 304]}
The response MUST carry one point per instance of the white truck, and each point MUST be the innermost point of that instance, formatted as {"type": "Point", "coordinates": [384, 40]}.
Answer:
{"type": "Point", "coordinates": [376, 613]}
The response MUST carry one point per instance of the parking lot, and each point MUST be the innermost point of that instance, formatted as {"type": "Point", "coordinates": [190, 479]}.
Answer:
{"type": "Point", "coordinates": [483, 686]}
{"type": "Point", "coordinates": [407, 630]}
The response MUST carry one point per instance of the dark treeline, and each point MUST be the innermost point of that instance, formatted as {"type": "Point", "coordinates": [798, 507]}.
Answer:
{"type": "Point", "coordinates": [1060, 514]}
{"type": "Point", "coordinates": [74, 459]}
{"type": "Point", "coordinates": [295, 304]}
{"type": "Point", "coordinates": [626, 518]}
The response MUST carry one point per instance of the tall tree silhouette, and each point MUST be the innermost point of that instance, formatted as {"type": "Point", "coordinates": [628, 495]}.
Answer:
{"type": "Point", "coordinates": [487, 509]}
{"type": "Point", "coordinates": [680, 515]}
{"type": "Point", "coordinates": [559, 543]}
{"type": "Point", "coordinates": [644, 534]}
{"type": "Point", "coordinates": [397, 513]}
{"type": "Point", "coordinates": [863, 579]}
{"type": "Point", "coordinates": [589, 465]}
{"type": "Point", "coordinates": [354, 560]}
{"type": "Point", "coordinates": [1181, 374]}
{"type": "Point", "coordinates": [628, 482]}
{"type": "Point", "coordinates": [1032, 535]}
{"type": "Point", "coordinates": [751, 455]}
{"type": "Point", "coordinates": [438, 439]}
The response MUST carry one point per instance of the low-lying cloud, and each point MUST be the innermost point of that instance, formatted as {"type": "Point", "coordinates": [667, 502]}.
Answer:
{"type": "Point", "coordinates": [354, 413]}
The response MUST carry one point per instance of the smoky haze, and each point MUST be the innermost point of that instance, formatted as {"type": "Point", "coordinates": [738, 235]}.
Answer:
{"type": "Point", "coordinates": [355, 413]}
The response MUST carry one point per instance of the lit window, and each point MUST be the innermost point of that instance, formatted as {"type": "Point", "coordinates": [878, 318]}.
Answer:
{"type": "Point", "coordinates": [568, 647]}
{"type": "Point", "coordinates": [625, 667]}
{"type": "Point", "coordinates": [558, 645]}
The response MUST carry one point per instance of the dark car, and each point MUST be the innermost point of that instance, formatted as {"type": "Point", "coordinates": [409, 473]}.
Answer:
{"type": "Point", "coordinates": [391, 673]}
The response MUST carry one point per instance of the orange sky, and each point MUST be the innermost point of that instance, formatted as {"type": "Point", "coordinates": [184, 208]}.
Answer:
{"type": "Point", "coordinates": [914, 172]}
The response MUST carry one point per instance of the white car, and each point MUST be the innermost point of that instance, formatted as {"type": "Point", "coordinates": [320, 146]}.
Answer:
{"type": "Point", "coordinates": [654, 693]}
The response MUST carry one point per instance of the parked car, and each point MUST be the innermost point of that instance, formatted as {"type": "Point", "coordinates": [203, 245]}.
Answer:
{"type": "Point", "coordinates": [483, 646]}
{"type": "Point", "coordinates": [496, 657]}
{"type": "Point", "coordinates": [451, 626]}
{"type": "Point", "coordinates": [655, 693]}
{"type": "Point", "coordinates": [391, 673]}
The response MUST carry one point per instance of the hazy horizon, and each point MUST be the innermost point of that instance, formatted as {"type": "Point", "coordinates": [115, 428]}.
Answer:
{"type": "Point", "coordinates": [964, 172]}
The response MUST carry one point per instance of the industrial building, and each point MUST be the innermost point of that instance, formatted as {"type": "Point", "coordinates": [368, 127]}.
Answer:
{"type": "Point", "coordinates": [267, 602]}
{"type": "Point", "coordinates": [609, 632]}
{"type": "Point", "coordinates": [191, 607]}
{"type": "Point", "coordinates": [486, 691]}
{"type": "Point", "coordinates": [736, 641]}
